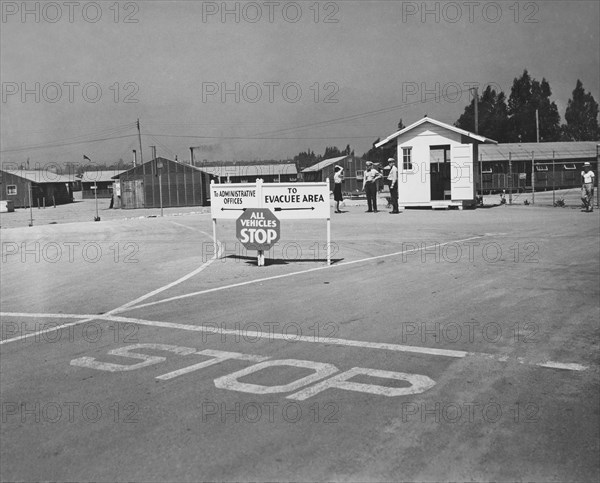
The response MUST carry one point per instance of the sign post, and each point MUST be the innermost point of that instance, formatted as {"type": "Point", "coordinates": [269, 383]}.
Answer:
{"type": "Point", "coordinates": [274, 202]}
{"type": "Point", "coordinates": [95, 188]}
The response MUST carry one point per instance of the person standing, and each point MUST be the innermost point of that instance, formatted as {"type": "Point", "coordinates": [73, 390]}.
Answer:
{"type": "Point", "coordinates": [338, 177]}
{"type": "Point", "coordinates": [393, 180]}
{"type": "Point", "coordinates": [370, 177]}
{"type": "Point", "coordinates": [587, 187]}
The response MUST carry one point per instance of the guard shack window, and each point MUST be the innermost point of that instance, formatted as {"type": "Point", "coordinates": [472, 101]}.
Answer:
{"type": "Point", "coordinates": [11, 190]}
{"type": "Point", "coordinates": [407, 159]}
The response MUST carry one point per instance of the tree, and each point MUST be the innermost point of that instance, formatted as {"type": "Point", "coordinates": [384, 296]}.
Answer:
{"type": "Point", "coordinates": [581, 116]}
{"type": "Point", "coordinates": [332, 152]}
{"type": "Point", "coordinates": [493, 116]}
{"type": "Point", "coordinates": [528, 95]}
{"type": "Point", "coordinates": [382, 154]}
{"type": "Point", "coordinates": [305, 159]}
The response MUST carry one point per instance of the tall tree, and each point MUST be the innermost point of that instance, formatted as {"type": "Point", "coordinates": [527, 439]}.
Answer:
{"type": "Point", "coordinates": [333, 152]}
{"type": "Point", "coordinates": [493, 116]}
{"type": "Point", "coordinates": [382, 154]}
{"type": "Point", "coordinates": [305, 159]}
{"type": "Point", "coordinates": [581, 116]}
{"type": "Point", "coordinates": [526, 96]}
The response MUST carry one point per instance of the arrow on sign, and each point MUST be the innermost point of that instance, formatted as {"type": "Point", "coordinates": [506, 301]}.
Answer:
{"type": "Point", "coordinates": [288, 209]}
{"type": "Point", "coordinates": [233, 209]}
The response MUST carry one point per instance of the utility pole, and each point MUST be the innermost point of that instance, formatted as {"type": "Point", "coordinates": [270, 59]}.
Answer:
{"type": "Point", "coordinates": [158, 165]}
{"type": "Point", "coordinates": [476, 110]}
{"type": "Point", "coordinates": [537, 126]}
{"type": "Point", "coordinates": [192, 156]}
{"type": "Point", "coordinates": [140, 141]}
{"type": "Point", "coordinates": [30, 207]}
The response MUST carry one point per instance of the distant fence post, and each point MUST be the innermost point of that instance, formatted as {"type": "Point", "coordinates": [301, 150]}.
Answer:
{"type": "Point", "coordinates": [553, 182]}
{"type": "Point", "coordinates": [509, 178]}
{"type": "Point", "coordinates": [532, 178]}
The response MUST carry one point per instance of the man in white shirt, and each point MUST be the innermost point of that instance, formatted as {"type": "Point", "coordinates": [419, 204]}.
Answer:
{"type": "Point", "coordinates": [370, 177]}
{"type": "Point", "coordinates": [587, 187]}
{"type": "Point", "coordinates": [393, 180]}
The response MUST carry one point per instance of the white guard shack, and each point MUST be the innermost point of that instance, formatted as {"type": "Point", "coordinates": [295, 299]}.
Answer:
{"type": "Point", "coordinates": [436, 164]}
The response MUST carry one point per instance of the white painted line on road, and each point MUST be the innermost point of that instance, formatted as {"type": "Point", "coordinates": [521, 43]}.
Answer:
{"type": "Point", "coordinates": [569, 366]}
{"type": "Point", "coordinates": [286, 337]}
{"type": "Point", "coordinates": [131, 306]}
{"type": "Point", "coordinates": [252, 334]}
{"type": "Point", "coordinates": [169, 285]}
{"type": "Point", "coordinates": [296, 338]}
{"type": "Point", "coordinates": [209, 235]}
{"type": "Point", "coordinates": [37, 333]}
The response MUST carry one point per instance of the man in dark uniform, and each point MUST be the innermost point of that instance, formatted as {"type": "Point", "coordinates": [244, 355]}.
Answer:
{"type": "Point", "coordinates": [370, 177]}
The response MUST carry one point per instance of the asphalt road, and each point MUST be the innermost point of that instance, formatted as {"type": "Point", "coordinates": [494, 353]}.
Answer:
{"type": "Point", "coordinates": [439, 346]}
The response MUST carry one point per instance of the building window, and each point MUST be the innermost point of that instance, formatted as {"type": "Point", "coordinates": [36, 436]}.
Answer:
{"type": "Point", "coordinates": [569, 166]}
{"type": "Point", "coordinates": [11, 190]}
{"type": "Point", "coordinates": [487, 170]}
{"type": "Point", "coordinates": [407, 159]}
{"type": "Point", "coordinates": [542, 167]}
{"type": "Point", "coordinates": [359, 174]}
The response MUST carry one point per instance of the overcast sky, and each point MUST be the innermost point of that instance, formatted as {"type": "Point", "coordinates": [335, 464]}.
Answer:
{"type": "Point", "coordinates": [291, 75]}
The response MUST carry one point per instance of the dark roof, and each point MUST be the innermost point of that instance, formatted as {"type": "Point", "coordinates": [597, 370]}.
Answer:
{"type": "Point", "coordinates": [165, 160]}
{"type": "Point", "coordinates": [99, 176]}
{"type": "Point", "coordinates": [523, 151]}
{"type": "Point", "coordinates": [251, 170]}
{"type": "Point", "coordinates": [41, 176]}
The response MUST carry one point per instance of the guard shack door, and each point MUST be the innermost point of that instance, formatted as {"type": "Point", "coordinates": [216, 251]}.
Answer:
{"type": "Point", "coordinates": [462, 185]}
{"type": "Point", "coordinates": [439, 165]}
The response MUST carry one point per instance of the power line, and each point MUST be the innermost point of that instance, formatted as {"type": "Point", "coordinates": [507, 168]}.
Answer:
{"type": "Point", "coordinates": [259, 138]}
{"type": "Point", "coordinates": [358, 116]}
{"type": "Point", "coordinates": [58, 145]}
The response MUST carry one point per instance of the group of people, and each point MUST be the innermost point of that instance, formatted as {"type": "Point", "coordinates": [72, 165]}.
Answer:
{"type": "Point", "coordinates": [370, 177]}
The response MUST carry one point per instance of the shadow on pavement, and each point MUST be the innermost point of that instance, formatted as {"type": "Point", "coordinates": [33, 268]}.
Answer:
{"type": "Point", "coordinates": [281, 261]}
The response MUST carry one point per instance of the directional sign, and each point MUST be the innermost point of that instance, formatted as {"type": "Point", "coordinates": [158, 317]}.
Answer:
{"type": "Point", "coordinates": [297, 200]}
{"type": "Point", "coordinates": [286, 200]}
{"type": "Point", "coordinates": [230, 200]}
{"type": "Point", "coordinates": [257, 229]}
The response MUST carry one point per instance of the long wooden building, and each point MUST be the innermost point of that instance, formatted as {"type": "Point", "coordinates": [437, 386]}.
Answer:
{"type": "Point", "coordinates": [180, 185]}
{"type": "Point", "coordinates": [26, 188]}
{"type": "Point", "coordinates": [539, 166]}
